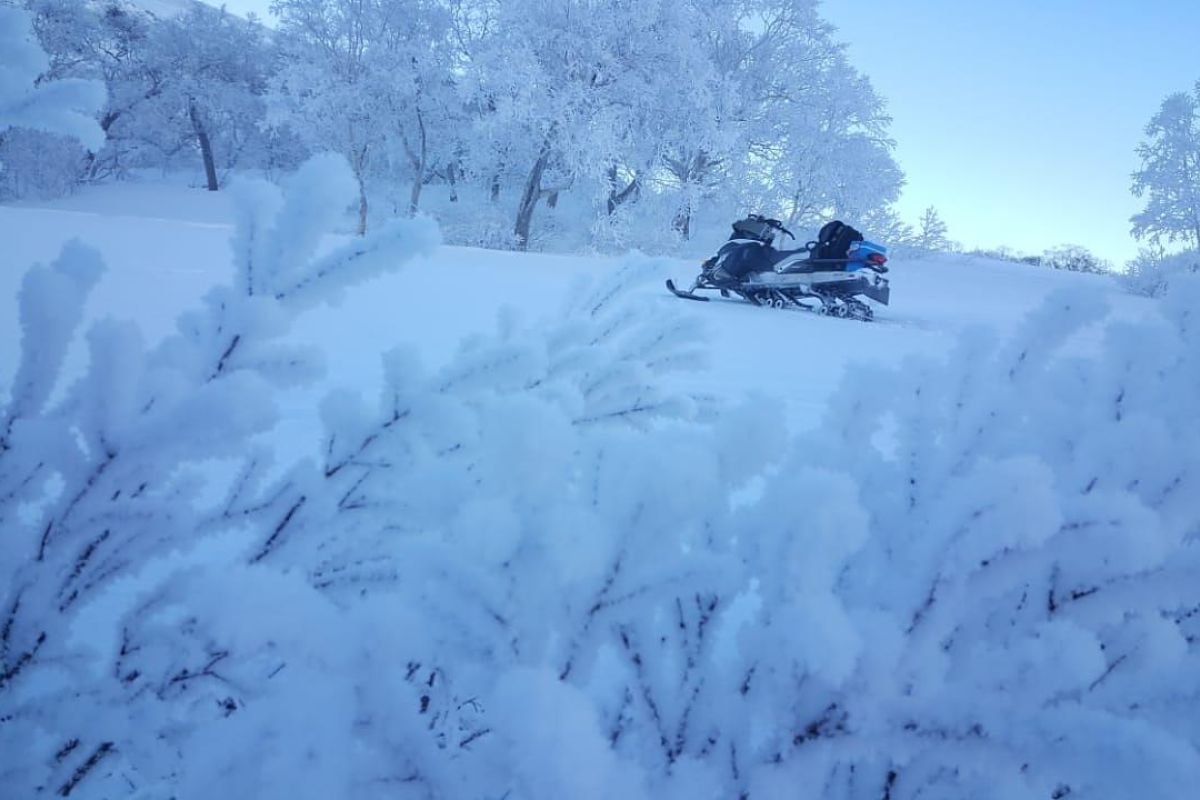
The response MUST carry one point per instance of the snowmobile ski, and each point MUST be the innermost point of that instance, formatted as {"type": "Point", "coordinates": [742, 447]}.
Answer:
{"type": "Point", "coordinates": [683, 294]}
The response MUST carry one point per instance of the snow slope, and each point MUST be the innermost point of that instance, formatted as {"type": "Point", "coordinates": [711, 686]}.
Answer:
{"type": "Point", "coordinates": [166, 245]}
{"type": "Point", "coordinates": [165, 8]}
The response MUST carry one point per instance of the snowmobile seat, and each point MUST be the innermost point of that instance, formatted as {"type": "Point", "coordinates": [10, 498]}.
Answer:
{"type": "Point", "coordinates": [775, 256]}
{"type": "Point", "coordinates": [737, 258]}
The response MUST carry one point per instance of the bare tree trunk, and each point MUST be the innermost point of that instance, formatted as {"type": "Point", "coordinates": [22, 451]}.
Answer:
{"type": "Point", "coordinates": [691, 173]}
{"type": "Point", "coordinates": [618, 198]}
{"type": "Point", "coordinates": [210, 167]}
{"type": "Point", "coordinates": [414, 200]}
{"type": "Point", "coordinates": [530, 197]}
{"type": "Point", "coordinates": [91, 166]}
{"type": "Point", "coordinates": [794, 214]}
{"type": "Point", "coordinates": [359, 166]}
{"type": "Point", "coordinates": [683, 220]}
{"type": "Point", "coordinates": [110, 117]}
{"type": "Point", "coordinates": [362, 207]}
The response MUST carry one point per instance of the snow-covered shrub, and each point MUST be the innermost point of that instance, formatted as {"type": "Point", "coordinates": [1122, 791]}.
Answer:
{"type": "Point", "coordinates": [1018, 619]}
{"type": "Point", "coordinates": [1073, 258]}
{"type": "Point", "coordinates": [333, 628]}
{"type": "Point", "coordinates": [99, 485]}
{"type": "Point", "coordinates": [1151, 272]}
{"type": "Point", "coordinates": [524, 573]}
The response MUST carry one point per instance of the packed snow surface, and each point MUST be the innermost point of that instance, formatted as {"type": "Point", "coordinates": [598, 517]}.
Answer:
{"type": "Point", "coordinates": [166, 245]}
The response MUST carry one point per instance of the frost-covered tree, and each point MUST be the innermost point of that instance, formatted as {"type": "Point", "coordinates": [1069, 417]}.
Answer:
{"type": "Point", "coordinates": [1151, 273]}
{"type": "Point", "coordinates": [184, 89]}
{"type": "Point", "coordinates": [36, 104]}
{"type": "Point", "coordinates": [58, 106]}
{"type": "Point", "coordinates": [1169, 176]}
{"type": "Point", "coordinates": [885, 225]}
{"type": "Point", "coordinates": [213, 70]}
{"type": "Point", "coordinates": [374, 81]}
{"type": "Point", "coordinates": [109, 42]}
{"type": "Point", "coordinates": [522, 103]}
{"type": "Point", "coordinates": [322, 84]}
{"type": "Point", "coordinates": [931, 235]}
{"type": "Point", "coordinates": [569, 90]}
{"type": "Point", "coordinates": [414, 75]}
{"type": "Point", "coordinates": [802, 131]}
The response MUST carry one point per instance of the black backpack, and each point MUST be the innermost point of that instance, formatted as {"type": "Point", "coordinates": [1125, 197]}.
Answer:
{"type": "Point", "coordinates": [834, 240]}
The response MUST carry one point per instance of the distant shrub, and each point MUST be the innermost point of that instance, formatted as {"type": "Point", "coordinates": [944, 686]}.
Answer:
{"type": "Point", "coordinates": [1074, 258]}
{"type": "Point", "coordinates": [1004, 254]}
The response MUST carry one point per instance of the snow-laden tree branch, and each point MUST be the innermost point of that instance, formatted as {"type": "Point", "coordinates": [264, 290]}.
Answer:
{"type": "Point", "coordinates": [100, 483]}
{"type": "Point", "coordinates": [61, 106]}
{"type": "Point", "coordinates": [1016, 620]}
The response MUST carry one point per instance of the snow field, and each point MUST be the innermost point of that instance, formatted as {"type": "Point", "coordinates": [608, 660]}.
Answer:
{"type": "Point", "coordinates": [166, 245]}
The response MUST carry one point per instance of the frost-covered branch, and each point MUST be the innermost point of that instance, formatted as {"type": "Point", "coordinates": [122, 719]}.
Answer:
{"type": "Point", "coordinates": [99, 476]}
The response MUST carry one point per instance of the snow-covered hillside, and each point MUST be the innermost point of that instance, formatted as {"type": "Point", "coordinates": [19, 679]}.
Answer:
{"type": "Point", "coordinates": [540, 531]}
{"type": "Point", "coordinates": [171, 244]}
{"type": "Point", "coordinates": [165, 9]}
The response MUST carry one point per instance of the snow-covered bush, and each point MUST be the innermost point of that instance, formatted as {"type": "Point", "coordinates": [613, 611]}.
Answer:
{"type": "Point", "coordinates": [1022, 605]}
{"type": "Point", "coordinates": [545, 569]}
{"type": "Point", "coordinates": [102, 478]}
{"type": "Point", "coordinates": [1073, 258]}
{"type": "Point", "coordinates": [305, 631]}
{"type": "Point", "coordinates": [1152, 271]}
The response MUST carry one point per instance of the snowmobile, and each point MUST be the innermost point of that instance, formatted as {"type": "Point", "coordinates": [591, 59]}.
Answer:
{"type": "Point", "coordinates": [828, 275]}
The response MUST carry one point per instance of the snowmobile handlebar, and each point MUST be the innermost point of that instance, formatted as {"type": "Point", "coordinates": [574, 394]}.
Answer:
{"type": "Point", "coordinates": [770, 223]}
{"type": "Point", "coordinates": [777, 225]}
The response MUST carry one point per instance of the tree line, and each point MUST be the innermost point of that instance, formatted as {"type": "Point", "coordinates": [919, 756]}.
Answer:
{"type": "Point", "coordinates": [643, 115]}
{"type": "Point", "coordinates": [647, 119]}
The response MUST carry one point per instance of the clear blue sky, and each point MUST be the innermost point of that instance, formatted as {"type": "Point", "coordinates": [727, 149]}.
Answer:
{"type": "Point", "coordinates": [1017, 119]}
